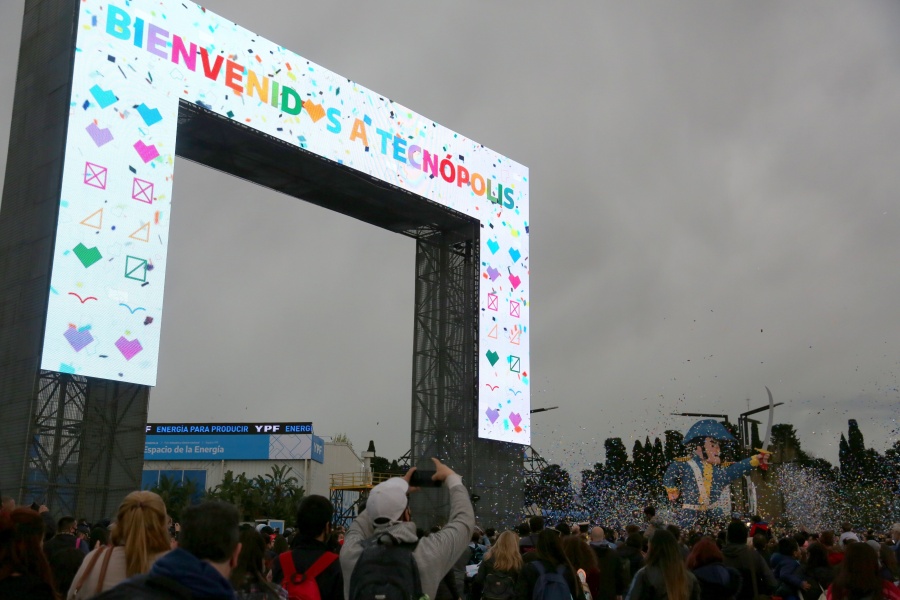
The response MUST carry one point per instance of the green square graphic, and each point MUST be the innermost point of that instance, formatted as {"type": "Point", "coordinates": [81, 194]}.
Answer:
{"type": "Point", "coordinates": [515, 365]}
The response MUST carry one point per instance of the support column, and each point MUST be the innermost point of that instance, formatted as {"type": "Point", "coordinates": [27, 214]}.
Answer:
{"type": "Point", "coordinates": [73, 443]}
{"type": "Point", "coordinates": [445, 376]}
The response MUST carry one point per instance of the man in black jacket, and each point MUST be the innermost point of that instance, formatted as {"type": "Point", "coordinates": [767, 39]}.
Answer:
{"type": "Point", "coordinates": [755, 573]}
{"type": "Point", "coordinates": [63, 554]}
{"type": "Point", "coordinates": [612, 568]}
{"type": "Point", "coordinates": [313, 529]}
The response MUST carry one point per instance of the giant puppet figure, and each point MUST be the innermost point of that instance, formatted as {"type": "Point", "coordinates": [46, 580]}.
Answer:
{"type": "Point", "coordinates": [700, 484]}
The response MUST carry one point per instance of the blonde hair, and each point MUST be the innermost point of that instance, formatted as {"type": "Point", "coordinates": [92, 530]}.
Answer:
{"type": "Point", "coordinates": [505, 552]}
{"type": "Point", "coordinates": [141, 529]}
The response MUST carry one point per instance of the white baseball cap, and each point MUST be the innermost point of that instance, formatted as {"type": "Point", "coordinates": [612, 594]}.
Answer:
{"type": "Point", "coordinates": [387, 500]}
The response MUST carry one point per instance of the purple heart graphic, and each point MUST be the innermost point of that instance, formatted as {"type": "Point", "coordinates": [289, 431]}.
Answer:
{"type": "Point", "coordinates": [492, 414]}
{"type": "Point", "coordinates": [100, 136]}
{"type": "Point", "coordinates": [514, 280]}
{"type": "Point", "coordinates": [515, 419]}
{"type": "Point", "coordinates": [78, 338]}
{"type": "Point", "coordinates": [493, 273]}
{"type": "Point", "coordinates": [128, 348]}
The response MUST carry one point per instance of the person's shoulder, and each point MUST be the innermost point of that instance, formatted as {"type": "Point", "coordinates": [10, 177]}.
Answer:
{"type": "Point", "coordinates": [147, 587]}
{"type": "Point", "coordinates": [25, 587]}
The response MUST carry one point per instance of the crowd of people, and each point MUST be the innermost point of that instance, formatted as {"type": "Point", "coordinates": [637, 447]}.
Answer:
{"type": "Point", "coordinates": [383, 555]}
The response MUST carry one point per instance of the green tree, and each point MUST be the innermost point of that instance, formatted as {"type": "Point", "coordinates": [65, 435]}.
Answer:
{"type": "Point", "coordinates": [731, 451]}
{"type": "Point", "coordinates": [860, 466]}
{"type": "Point", "coordinates": [640, 460]}
{"type": "Point", "coordinates": [555, 488]}
{"type": "Point", "coordinates": [785, 445]}
{"type": "Point", "coordinates": [175, 494]}
{"type": "Point", "coordinates": [383, 465]}
{"type": "Point", "coordinates": [755, 440]}
{"type": "Point", "coordinates": [659, 460]}
{"type": "Point", "coordinates": [674, 445]}
{"type": "Point", "coordinates": [241, 492]}
{"type": "Point", "coordinates": [892, 466]}
{"type": "Point", "coordinates": [616, 455]}
{"type": "Point", "coordinates": [341, 438]}
{"type": "Point", "coordinates": [281, 493]}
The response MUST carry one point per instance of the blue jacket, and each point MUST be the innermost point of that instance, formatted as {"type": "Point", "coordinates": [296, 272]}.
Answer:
{"type": "Point", "coordinates": [177, 575]}
{"type": "Point", "coordinates": [680, 476]}
{"type": "Point", "coordinates": [789, 572]}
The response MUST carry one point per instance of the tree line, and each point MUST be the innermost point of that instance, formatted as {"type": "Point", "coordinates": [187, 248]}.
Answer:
{"type": "Point", "coordinates": [863, 488]}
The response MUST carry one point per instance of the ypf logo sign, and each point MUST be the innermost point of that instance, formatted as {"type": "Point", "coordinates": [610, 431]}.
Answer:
{"type": "Point", "coordinates": [318, 449]}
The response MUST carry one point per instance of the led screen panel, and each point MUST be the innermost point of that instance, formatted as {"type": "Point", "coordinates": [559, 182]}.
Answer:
{"type": "Point", "coordinates": [134, 62]}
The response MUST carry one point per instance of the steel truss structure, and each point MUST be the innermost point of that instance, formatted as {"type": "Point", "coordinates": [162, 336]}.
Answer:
{"type": "Point", "coordinates": [86, 443]}
{"type": "Point", "coordinates": [445, 375]}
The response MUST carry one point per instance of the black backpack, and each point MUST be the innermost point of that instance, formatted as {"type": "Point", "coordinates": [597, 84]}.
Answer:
{"type": "Point", "coordinates": [551, 585]}
{"type": "Point", "coordinates": [499, 586]}
{"type": "Point", "coordinates": [386, 570]}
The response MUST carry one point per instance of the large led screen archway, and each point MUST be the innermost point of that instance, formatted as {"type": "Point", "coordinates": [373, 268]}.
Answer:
{"type": "Point", "coordinates": [135, 62]}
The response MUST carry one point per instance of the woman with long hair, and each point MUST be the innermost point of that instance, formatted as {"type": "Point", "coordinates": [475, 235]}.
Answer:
{"type": "Point", "coordinates": [583, 561]}
{"type": "Point", "coordinates": [858, 577]}
{"type": "Point", "coordinates": [248, 578]}
{"type": "Point", "coordinates": [139, 537]}
{"type": "Point", "coordinates": [817, 570]}
{"type": "Point", "coordinates": [664, 576]}
{"type": "Point", "coordinates": [499, 570]}
{"type": "Point", "coordinates": [24, 570]}
{"type": "Point", "coordinates": [889, 568]}
{"type": "Point", "coordinates": [548, 558]}
{"type": "Point", "coordinates": [706, 562]}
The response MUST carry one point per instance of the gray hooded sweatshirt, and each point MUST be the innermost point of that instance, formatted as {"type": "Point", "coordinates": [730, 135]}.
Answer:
{"type": "Point", "coordinates": [436, 553]}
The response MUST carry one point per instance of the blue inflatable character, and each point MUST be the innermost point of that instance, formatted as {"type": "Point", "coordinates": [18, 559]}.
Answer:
{"type": "Point", "coordinates": [701, 483]}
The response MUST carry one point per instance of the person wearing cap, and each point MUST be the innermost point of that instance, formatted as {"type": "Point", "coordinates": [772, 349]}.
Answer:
{"type": "Point", "coordinates": [387, 511]}
{"type": "Point", "coordinates": [847, 536]}
{"type": "Point", "coordinates": [701, 481]}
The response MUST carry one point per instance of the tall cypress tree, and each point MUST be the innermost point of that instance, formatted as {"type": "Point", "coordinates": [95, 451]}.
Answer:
{"type": "Point", "coordinates": [616, 455]}
{"type": "Point", "coordinates": [639, 459]}
{"type": "Point", "coordinates": [674, 445]}
{"type": "Point", "coordinates": [859, 465]}
{"type": "Point", "coordinates": [659, 460]}
{"type": "Point", "coordinates": [843, 454]}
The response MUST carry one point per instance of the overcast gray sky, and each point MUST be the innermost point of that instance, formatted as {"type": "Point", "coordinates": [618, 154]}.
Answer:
{"type": "Point", "coordinates": [713, 210]}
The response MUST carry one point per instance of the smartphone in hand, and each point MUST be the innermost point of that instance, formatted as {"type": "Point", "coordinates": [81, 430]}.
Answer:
{"type": "Point", "coordinates": [423, 478]}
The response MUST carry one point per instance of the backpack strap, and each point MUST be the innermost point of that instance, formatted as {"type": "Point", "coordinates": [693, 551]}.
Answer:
{"type": "Point", "coordinates": [289, 570]}
{"type": "Point", "coordinates": [322, 563]}
{"type": "Point", "coordinates": [90, 567]}
{"type": "Point", "coordinates": [103, 568]}
{"type": "Point", "coordinates": [286, 560]}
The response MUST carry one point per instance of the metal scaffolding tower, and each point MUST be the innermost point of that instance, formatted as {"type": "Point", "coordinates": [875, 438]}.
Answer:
{"type": "Point", "coordinates": [86, 444]}
{"type": "Point", "coordinates": [445, 375]}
